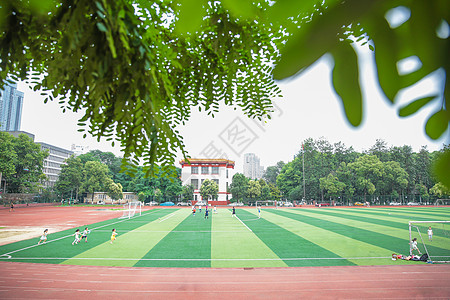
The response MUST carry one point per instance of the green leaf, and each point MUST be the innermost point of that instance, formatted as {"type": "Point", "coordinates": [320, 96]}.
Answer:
{"type": "Point", "coordinates": [101, 27]}
{"type": "Point", "coordinates": [437, 124]}
{"type": "Point", "coordinates": [414, 106]}
{"type": "Point", "coordinates": [314, 39]}
{"type": "Point", "coordinates": [386, 49]}
{"type": "Point", "coordinates": [191, 14]}
{"type": "Point", "coordinates": [240, 8]}
{"type": "Point", "coordinates": [346, 82]}
{"type": "Point", "coordinates": [441, 167]}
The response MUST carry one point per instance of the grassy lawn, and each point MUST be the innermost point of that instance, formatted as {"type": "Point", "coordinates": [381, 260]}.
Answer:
{"type": "Point", "coordinates": [280, 238]}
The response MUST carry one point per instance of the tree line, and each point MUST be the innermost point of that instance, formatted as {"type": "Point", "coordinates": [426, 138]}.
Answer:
{"type": "Point", "coordinates": [379, 175]}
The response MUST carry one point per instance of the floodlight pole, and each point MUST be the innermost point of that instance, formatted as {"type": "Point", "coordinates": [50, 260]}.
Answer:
{"type": "Point", "coordinates": [303, 161]}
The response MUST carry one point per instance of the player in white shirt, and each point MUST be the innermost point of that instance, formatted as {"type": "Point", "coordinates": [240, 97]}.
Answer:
{"type": "Point", "coordinates": [85, 234]}
{"type": "Point", "coordinates": [77, 235]}
{"type": "Point", "coordinates": [430, 233]}
{"type": "Point", "coordinates": [43, 238]}
{"type": "Point", "coordinates": [414, 245]}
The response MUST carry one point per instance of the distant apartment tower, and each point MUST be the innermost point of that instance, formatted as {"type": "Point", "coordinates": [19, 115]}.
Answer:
{"type": "Point", "coordinates": [78, 149]}
{"type": "Point", "coordinates": [252, 166]}
{"type": "Point", "coordinates": [195, 171]}
{"type": "Point", "coordinates": [53, 163]}
{"type": "Point", "coordinates": [11, 102]}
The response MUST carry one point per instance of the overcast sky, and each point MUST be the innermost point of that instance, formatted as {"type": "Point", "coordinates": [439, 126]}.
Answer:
{"type": "Point", "coordinates": [309, 108]}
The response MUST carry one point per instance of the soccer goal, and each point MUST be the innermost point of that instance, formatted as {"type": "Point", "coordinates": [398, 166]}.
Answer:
{"type": "Point", "coordinates": [436, 243]}
{"type": "Point", "coordinates": [442, 202]}
{"type": "Point", "coordinates": [130, 209]}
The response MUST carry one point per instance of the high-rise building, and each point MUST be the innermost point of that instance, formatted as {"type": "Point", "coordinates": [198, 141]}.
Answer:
{"type": "Point", "coordinates": [52, 164]}
{"type": "Point", "coordinates": [11, 102]}
{"type": "Point", "coordinates": [78, 149]}
{"type": "Point", "coordinates": [252, 166]}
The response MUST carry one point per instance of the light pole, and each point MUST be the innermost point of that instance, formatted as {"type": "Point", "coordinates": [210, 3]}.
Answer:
{"type": "Point", "coordinates": [303, 161]}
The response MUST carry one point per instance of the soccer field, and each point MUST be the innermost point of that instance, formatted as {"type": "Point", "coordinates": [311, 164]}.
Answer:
{"type": "Point", "coordinates": [280, 238]}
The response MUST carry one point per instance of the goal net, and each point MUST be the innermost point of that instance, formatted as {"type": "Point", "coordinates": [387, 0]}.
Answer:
{"type": "Point", "coordinates": [130, 209]}
{"type": "Point", "coordinates": [433, 238]}
{"type": "Point", "coordinates": [442, 202]}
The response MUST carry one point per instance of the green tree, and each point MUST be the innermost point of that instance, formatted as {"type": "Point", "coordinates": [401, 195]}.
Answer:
{"type": "Point", "coordinates": [71, 177]}
{"type": "Point", "coordinates": [188, 192]}
{"type": "Point", "coordinates": [95, 177]}
{"type": "Point", "coordinates": [368, 169]}
{"type": "Point", "coordinates": [8, 156]}
{"type": "Point", "coordinates": [158, 195]}
{"type": "Point", "coordinates": [275, 193]}
{"type": "Point", "coordinates": [238, 187]}
{"type": "Point", "coordinates": [440, 190]}
{"type": "Point", "coordinates": [332, 185]}
{"type": "Point", "coordinates": [28, 166]}
{"type": "Point", "coordinates": [114, 190]}
{"type": "Point", "coordinates": [209, 190]}
{"type": "Point", "coordinates": [271, 173]}
{"type": "Point", "coordinates": [253, 190]}
{"type": "Point", "coordinates": [290, 177]}
{"type": "Point", "coordinates": [395, 178]}
{"type": "Point", "coordinates": [265, 190]}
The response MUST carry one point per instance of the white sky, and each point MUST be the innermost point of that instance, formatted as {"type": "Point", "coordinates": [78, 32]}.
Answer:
{"type": "Point", "coordinates": [309, 108]}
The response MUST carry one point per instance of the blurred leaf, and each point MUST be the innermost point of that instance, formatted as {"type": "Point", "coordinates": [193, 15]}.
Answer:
{"type": "Point", "coordinates": [346, 82]}
{"type": "Point", "coordinates": [414, 106]}
{"type": "Point", "coordinates": [386, 58]}
{"type": "Point", "coordinates": [441, 168]}
{"type": "Point", "coordinates": [240, 8]}
{"type": "Point", "coordinates": [312, 40]}
{"type": "Point", "coordinates": [437, 124]}
{"type": "Point", "coordinates": [190, 15]}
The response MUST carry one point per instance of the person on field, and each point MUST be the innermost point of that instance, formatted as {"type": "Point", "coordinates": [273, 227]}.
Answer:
{"type": "Point", "coordinates": [43, 238]}
{"type": "Point", "coordinates": [430, 234]}
{"type": "Point", "coordinates": [193, 211]}
{"type": "Point", "coordinates": [113, 235]}
{"type": "Point", "coordinates": [11, 206]}
{"type": "Point", "coordinates": [77, 235]}
{"type": "Point", "coordinates": [85, 233]}
{"type": "Point", "coordinates": [259, 211]}
{"type": "Point", "coordinates": [233, 213]}
{"type": "Point", "coordinates": [215, 209]}
{"type": "Point", "coordinates": [206, 213]}
{"type": "Point", "coordinates": [414, 245]}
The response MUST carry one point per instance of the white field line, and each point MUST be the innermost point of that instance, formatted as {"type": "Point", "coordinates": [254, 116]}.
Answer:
{"type": "Point", "coordinates": [66, 236]}
{"type": "Point", "coordinates": [251, 219]}
{"type": "Point", "coordinates": [187, 231]}
{"type": "Point", "coordinates": [168, 216]}
{"type": "Point", "coordinates": [193, 259]}
{"type": "Point", "coordinates": [243, 223]}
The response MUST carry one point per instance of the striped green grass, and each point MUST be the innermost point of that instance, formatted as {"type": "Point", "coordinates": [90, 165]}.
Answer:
{"type": "Point", "coordinates": [173, 237]}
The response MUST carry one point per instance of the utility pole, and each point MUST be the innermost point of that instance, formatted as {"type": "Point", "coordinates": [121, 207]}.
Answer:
{"type": "Point", "coordinates": [303, 160]}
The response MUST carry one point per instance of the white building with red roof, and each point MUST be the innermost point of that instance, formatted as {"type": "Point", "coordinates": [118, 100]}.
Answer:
{"type": "Point", "coordinates": [195, 171]}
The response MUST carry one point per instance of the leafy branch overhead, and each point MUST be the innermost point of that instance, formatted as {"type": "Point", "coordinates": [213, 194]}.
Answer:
{"type": "Point", "coordinates": [122, 63]}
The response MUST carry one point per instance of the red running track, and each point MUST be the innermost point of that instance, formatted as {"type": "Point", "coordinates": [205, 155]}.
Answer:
{"type": "Point", "coordinates": [43, 281]}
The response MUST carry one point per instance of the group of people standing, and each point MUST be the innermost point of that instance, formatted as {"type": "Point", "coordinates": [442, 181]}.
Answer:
{"type": "Point", "coordinates": [194, 210]}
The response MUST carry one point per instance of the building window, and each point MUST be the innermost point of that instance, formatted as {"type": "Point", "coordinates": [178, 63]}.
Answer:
{"type": "Point", "coordinates": [194, 183]}
{"type": "Point", "coordinates": [227, 173]}
{"type": "Point", "coordinates": [227, 187]}
{"type": "Point", "coordinates": [194, 170]}
{"type": "Point", "coordinates": [214, 170]}
{"type": "Point", "coordinates": [205, 170]}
